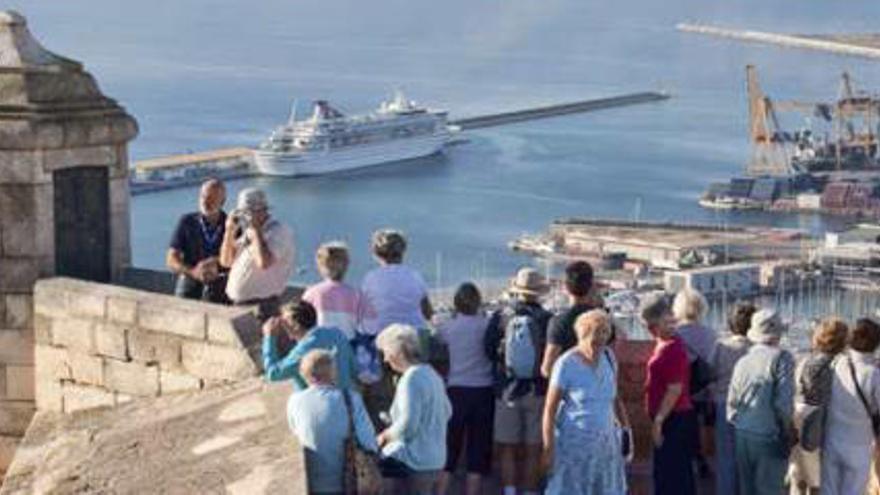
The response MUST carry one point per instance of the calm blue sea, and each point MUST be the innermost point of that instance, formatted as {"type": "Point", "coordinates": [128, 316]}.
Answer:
{"type": "Point", "coordinates": [201, 74]}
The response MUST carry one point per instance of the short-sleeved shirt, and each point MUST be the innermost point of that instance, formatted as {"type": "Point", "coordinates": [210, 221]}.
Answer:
{"type": "Point", "coordinates": [588, 392]}
{"type": "Point", "coordinates": [337, 305]}
{"type": "Point", "coordinates": [247, 281]}
{"type": "Point", "coordinates": [668, 365]}
{"type": "Point", "coordinates": [561, 329]}
{"type": "Point", "coordinates": [392, 294]}
{"type": "Point", "coordinates": [468, 364]}
{"type": "Point", "coordinates": [196, 239]}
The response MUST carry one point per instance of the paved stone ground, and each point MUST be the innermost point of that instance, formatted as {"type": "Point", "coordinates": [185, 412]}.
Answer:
{"type": "Point", "coordinates": [224, 440]}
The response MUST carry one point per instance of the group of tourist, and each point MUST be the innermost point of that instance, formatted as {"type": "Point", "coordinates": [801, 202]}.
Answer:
{"type": "Point", "coordinates": [374, 370]}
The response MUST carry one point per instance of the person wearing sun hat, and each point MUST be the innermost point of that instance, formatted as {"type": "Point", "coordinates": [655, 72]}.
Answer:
{"type": "Point", "coordinates": [760, 405]}
{"type": "Point", "coordinates": [259, 252]}
{"type": "Point", "coordinates": [515, 341]}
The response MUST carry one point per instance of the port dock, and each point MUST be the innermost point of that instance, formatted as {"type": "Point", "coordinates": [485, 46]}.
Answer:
{"type": "Point", "coordinates": [186, 169]}
{"type": "Point", "coordinates": [866, 46]}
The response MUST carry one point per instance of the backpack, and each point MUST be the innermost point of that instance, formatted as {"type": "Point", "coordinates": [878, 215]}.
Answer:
{"type": "Point", "coordinates": [521, 351]}
{"type": "Point", "coordinates": [701, 372]}
{"type": "Point", "coordinates": [815, 383]}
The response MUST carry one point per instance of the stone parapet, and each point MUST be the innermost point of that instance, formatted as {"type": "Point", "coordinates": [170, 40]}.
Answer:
{"type": "Point", "coordinates": [101, 345]}
{"type": "Point", "coordinates": [632, 357]}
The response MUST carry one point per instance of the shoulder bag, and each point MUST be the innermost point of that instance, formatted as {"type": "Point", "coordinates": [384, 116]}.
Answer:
{"type": "Point", "coordinates": [361, 470]}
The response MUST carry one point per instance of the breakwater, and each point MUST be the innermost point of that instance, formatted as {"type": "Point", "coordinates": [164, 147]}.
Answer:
{"type": "Point", "coordinates": [547, 111]}
{"type": "Point", "coordinates": [788, 40]}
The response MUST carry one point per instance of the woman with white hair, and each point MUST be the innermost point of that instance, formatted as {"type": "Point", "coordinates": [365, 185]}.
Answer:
{"type": "Point", "coordinates": [580, 439]}
{"type": "Point", "coordinates": [689, 308]}
{"type": "Point", "coordinates": [414, 444]}
{"type": "Point", "coordinates": [314, 417]}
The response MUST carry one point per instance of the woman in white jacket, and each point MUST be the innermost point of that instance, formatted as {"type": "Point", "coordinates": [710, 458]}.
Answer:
{"type": "Point", "coordinates": [849, 434]}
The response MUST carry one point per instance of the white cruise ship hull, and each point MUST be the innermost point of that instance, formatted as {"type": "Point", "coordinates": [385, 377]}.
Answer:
{"type": "Point", "coordinates": [293, 164]}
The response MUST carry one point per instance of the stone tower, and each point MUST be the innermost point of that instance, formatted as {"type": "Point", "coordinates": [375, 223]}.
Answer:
{"type": "Point", "coordinates": [64, 199]}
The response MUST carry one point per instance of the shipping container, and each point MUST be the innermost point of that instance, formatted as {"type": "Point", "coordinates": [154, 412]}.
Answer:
{"type": "Point", "coordinates": [765, 189]}
{"type": "Point", "coordinates": [740, 187]}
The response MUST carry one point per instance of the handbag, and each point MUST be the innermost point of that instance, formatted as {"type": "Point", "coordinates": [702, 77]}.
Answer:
{"type": "Point", "coordinates": [875, 418]}
{"type": "Point", "coordinates": [361, 474]}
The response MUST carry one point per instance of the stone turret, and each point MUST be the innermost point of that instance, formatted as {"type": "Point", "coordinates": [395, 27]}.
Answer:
{"type": "Point", "coordinates": [64, 199]}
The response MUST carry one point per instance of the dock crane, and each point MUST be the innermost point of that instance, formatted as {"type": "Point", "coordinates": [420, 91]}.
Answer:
{"type": "Point", "coordinates": [776, 152]}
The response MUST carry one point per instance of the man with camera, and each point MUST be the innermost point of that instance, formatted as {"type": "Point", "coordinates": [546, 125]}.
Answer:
{"type": "Point", "coordinates": [258, 250]}
{"type": "Point", "coordinates": [195, 247]}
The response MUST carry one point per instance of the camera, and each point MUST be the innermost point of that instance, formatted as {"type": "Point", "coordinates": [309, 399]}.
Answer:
{"type": "Point", "coordinates": [242, 219]}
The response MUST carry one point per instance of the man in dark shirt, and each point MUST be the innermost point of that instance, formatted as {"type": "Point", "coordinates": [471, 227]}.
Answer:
{"type": "Point", "coordinates": [195, 246]}
{"type": "Point", "coordinates": [560, 332]}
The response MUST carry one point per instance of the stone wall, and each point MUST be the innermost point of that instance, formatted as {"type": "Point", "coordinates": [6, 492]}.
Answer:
{"type": "Point", "coordinates": [632, 356]}
{"type": "Point", "coordinates": [54, 120]}
{"type": "Point", "coordinates": [102, 345]}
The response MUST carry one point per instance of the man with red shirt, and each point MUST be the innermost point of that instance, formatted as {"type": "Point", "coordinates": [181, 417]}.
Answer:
{"type": "Point", "coordinates": [669, 401]}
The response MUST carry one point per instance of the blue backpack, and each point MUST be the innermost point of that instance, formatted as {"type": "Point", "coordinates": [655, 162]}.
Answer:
{"type": "Point", "coordinates": [520, 348]}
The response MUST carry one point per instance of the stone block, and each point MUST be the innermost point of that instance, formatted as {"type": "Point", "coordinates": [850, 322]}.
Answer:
{"type": "Point", "coordinates": [160, 318]}
{"type": "Point", "coordinates": [8, 444]}
{"type": "Point", "coordinates": [42, 330]}
{"type": "Point", "coordinates": [149, 347]}
{"type": "Point", "coordinates": [86, 369]}
{"type": "Point", "coordinates": [122, 398]}
{"type": "Point", "coordinates": [16, 347]}
{"type": "Point", "coordinates": [49, 394]}
{"type": "Point", "coordinates": [132, 378]}
{"type": "Point", "coordinates": [74, 333]}
{"type": "Point", "coordinates": [217, 362]}
{"type": "Point", "coordinates": [92, 304]}
{"type": "Point", "coordinates": [50, 301]}
{"type": "Point", "coordinates": [171, 382]}
{"type": "Point", "coordinates": [51, 364]}
{"type": "Point", "coordinates": [18, 274]}
{"type": "Point", "coordinates": [17, 201]}
{"type": "Point", "coordinates": [15, 416]}
{"type": "Point", "coordinates": [19, 310]}
{"type": "Point", "coordinates": [20, 167]}
{"type": "Point", "coordinates": [19, 237]}
{"type": "Point", "coordinates": [81, 397]}
{"type": "Point", "coordinates": [122, 310]}
{"type": "Point", "coordinates": [110, 341]}
{"type": "Point", "coordinates": [55, 159]}
{"type": "Point", "coordinates": [20, 382]}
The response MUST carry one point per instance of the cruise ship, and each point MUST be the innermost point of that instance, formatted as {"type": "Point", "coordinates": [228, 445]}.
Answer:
{"type": "Point", "coordinates": [330, 142]}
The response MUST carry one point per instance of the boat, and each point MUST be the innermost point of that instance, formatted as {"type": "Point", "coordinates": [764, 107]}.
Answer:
{"type": "Point", "coordinates": [330, 141]}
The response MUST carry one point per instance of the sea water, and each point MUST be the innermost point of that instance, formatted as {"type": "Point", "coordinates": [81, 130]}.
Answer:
{"type": "Point", "coordinates": [202, 74]}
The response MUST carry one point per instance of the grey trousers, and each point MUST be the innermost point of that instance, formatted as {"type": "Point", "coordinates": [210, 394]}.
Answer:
{"type": "Point", "coordinates": [761, 464]}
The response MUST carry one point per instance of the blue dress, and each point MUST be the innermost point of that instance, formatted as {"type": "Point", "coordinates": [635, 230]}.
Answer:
{"type": "Point", "coordinates": [588, 458]}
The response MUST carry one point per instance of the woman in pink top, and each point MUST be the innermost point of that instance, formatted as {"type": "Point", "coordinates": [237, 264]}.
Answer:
{"type": "Point", "coordinates": [336, 302]}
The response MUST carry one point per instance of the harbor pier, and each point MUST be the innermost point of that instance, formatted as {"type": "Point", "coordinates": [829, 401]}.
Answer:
{"type": "Point", "coordinates": [866, 46]}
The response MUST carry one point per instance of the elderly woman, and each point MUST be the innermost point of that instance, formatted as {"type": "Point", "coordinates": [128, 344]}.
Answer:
{"type": "Point", "coordinates": [814, 377]}
{"type": "Point", "coordinates": [390, 293]}
{"type": "Point", "coordinates": [314, 417]}
{"type": "Point", "coordinates": [580, 439]}
{"type": "Point", "coordinates": [724, 358]}
{"type": "Point", "coordinates": [689, 308]}
{"type": "Point", "coordinates": [850, 437]}
{"type": "Point", "coordinates": [669, 401]}
{"type": "Point", "coordinates": [414, 444]}
{"type": "Point", "coordinates": [298, 321]}
{"type": "Point", "coordinates": [760, 406]}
